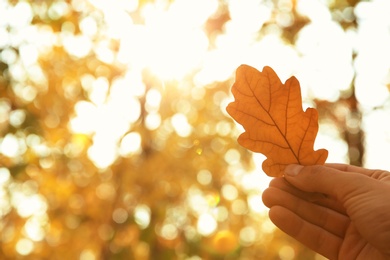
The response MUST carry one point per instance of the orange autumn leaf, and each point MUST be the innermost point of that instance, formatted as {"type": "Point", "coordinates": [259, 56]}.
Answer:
{"type": "Point", "coordinates": [274, 121]}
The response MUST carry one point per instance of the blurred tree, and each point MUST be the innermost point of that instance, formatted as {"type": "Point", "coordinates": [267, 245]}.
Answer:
{"type": "Point", "coordinates": [101, 158]}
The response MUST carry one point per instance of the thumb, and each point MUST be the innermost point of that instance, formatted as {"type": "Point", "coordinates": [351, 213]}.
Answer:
{"type": "Point", "coordinates": [327, 180]}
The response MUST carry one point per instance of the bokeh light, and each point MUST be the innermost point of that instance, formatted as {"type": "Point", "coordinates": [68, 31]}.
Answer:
{"type": "Point", "coordinates": [114, 139]}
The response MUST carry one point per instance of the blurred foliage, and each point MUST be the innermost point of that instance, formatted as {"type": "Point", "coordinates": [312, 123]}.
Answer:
{"type": "Point", "coordinates": [178, 194]}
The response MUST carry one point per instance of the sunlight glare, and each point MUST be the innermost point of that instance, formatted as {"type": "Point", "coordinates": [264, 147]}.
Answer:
{"type": "Point", "coordinates": [142, 215]}
{"type": "Point", "coordinates": [326, 79]}
{"type": "Point", "coordinates": [153, 100]}
{"type": "Point", "coordinates": [171, 43]}
{"type": "Point", "coordinates": [239, 207]}
{"type": "Point", "coordinates": [131, 84]}
{"type": "Point", "coordinates": [20, 15]}
{"type": "Point", "coordinates": [5, 206]}
{"type": "Point", "coordinates": [104, 52]}
{"type": "Point", "coordinates": [12, 146]}
{"type": "Point", "coordinates": [24, 246]}
{"type": "Point", "coordinates": [192, 13]}
{"type": "Point", "coordinates": [84, 122]}
{"type": "Point", "coordinates": [286, 253]}
{"type": "Point", "coordinates": [28, 54]}
{"type": "Point", "coordinates": [248, 16]}
{"type": "Point", "coordinates": [256, 204]}
{"type": "Point", "coordinates": [220, 213]}
{"type": "Point", "coordinates": [99, 90]}
{"type": "Point", "coordinates": [88, 254]}
{"type": "Point", "coordinates": [35, 227]}
{"type": "Point", "coordinates": [152, 121]}
{"type": "Point", "coordinates": [17, 117]}
{"type": "Point", "coordinates": [109, 117]}
{"type": "Point", "coordinates": [58, 9]}
{"type": "Point", "coordinates": [247, 235]}
{"type": "Point", "coordinates": [372, 63]}
{"type": "Point", "coordinates": [5, 176]}
{"type": "Point", "coordinates": [377, 139]}
{"type": "Point", "coordinates": [180, 124]}
{"type": "Point", "coordinates": [370, 91]}
{"type": "Point", "coordinates": [8, 55]}
{"type": "Point", "coordinates": [29, 205]}
{"type": "Point", "coordinates": [232, 156]}
{"type": "Point", "coordinates": [267, 226]}
{"type": "Point", "coordinates": [130, 144]}
{"type": "Point", "coordinates": [88, 26]}
{"type": "Point", "coordinates": [229, 192]}
{"type": "Point", "coordinates": [255, 181]}
{"type": "Point", "coordinates": [206, 224]}
{"type": "Point", "coordinates": [175, 51]}
{"type": "Point", "coordinates": [329, 138]}
{"type": "Point", "coordinates": [316, 11]}
{"type": "Point", "coordinates": [169, 231]}
{"type": "Point", "coordinates": [4, 36]}
{"type": "Point", "coordinates": [204, 177]}
{"type": "Point", "coordinates": [78, 46]}
{"type": "Point", "coordinates": [197, 201]}
{"type": "Point", "coordinates": [115, 16]}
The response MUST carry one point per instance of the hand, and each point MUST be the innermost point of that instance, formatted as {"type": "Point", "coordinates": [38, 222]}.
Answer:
{"type": "Point", "coordinates": [340, 211]}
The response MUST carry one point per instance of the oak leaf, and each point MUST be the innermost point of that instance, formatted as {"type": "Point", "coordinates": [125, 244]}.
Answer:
{"type": "Point", "coordinates": [274, 121]}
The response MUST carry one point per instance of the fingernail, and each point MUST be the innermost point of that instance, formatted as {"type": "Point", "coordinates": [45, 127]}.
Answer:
{"type": "Point", "coordinates": [293, 169]}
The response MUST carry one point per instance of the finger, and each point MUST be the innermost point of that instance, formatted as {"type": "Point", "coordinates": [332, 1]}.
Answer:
{"type": "Point", "coordinates": [347, 167]}
{"type": "Point", "coordinates": [282, 184]}
{"type": "Point", "coordinates": [314, 237]}
{"type": "Point", "coordinates": [314, 197]}
{"type": "Point", "coordinates": [330, 220]}
{"type": "Point", "coordinates": [377, 174]}
{"type": "Point", "coordinates": [332, 182]}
